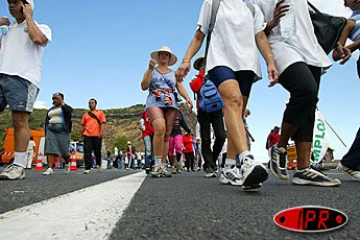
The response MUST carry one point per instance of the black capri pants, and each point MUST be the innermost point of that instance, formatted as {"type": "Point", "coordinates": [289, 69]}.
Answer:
{"type": "Point", "coordinates": [302, 82]}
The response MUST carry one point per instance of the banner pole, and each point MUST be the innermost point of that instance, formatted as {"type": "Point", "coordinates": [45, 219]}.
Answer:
{"type": "Point", "coordinates": [337, 135]}
{"type": "Point", "coordinates": [327, 123]}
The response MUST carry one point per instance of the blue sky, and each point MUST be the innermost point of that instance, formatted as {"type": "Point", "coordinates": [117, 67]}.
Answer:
{"type": "Point", "coordinates": [101, 49]}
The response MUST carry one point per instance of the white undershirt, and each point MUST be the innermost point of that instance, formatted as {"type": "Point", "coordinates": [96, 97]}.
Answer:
{"type": "Point", "coordinates": [233, 38]}
{"type": "Point", "coordinates": [55, 115]}
{"type": "Point", "coordinates": [302, 47]}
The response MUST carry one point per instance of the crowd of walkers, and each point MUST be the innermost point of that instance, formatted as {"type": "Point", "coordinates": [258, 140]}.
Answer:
{"type": "Point", "coordinates": [235, 32]}
{"type": "Point", "coordinates": [296, 62]}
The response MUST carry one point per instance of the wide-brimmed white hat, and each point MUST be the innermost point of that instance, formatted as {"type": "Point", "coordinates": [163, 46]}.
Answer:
{"type": "Point", "coordinates": [128, 142]}
{"type": "Point", "coordinates": [197, 63]}
{"type": "Point", "coordinates": [155, 55]}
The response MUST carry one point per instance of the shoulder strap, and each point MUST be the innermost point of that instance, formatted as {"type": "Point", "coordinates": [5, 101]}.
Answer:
{"type": "Point", "coordinates": [314, 8]}
{"type": "Point", "coordinates": [251, 7]}
{"type": "Point", "coordinates": [215, 9]}
{"type": "Point", "coordinates": [94, 116]}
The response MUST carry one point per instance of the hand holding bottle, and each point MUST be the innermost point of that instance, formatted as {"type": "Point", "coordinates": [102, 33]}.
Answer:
{"type": "Point", "coordinates": [287, 22]}
{"type": "Point", "coordinates": [4, 23]}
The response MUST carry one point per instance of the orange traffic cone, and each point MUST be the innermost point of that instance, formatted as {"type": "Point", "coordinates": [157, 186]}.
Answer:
{"type": "Point", "coordinates": [57, 162]}
{"type": "Point", "coordinates": [39, 165]}
{"type": "Point", "coordinates": [73, 166]}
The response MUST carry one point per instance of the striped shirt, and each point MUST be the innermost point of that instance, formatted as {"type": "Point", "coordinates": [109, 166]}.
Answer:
{"type": "Point", "coordinates": [355, 34]}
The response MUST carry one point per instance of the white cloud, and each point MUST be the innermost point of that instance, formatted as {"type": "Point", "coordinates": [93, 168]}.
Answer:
{"type": "Point", "coordinates": [333, 7]}
{"type": "Point", "coordinates": [40, 105]}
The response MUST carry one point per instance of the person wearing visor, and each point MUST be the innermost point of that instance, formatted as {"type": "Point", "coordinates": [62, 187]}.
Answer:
{"type": "Point", "coordinates": [21, 50]}
{"type": "Point", "coordinates": [58, 126]}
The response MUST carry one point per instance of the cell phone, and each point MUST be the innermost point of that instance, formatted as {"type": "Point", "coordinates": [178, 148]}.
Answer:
{"type": "Point", "coordinates": [21, 10]}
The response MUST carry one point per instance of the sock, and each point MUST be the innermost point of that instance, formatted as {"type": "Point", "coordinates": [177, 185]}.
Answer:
{"type": "Point", "coordinates": [158, 160]}
{"type": "Point", "coordinates": [229, 162]}
{"type": "Point", "coordinates": [20, 158]}
{"type": "Point", "coordinates": [241, 156]}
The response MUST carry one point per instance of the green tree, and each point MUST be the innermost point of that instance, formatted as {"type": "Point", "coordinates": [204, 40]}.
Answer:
{"type": "Point", "coordinates": [121, 143]}
{"type": "Point", "coordinates": [75, 133]}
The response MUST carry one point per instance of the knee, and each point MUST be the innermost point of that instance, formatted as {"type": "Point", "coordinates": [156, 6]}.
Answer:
{"type": "Point", "coordinates": [233, 100]}
{"type": "Point", "coordinates": [160, 131]}
{"type": "Point", "coordinates": [308, 97]}
{"type": "Point", "coordinates": [20, 120]}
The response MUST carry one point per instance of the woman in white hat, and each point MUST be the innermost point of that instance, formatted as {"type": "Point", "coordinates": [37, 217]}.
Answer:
{"type": "Point", "coordinates": [161, 103]}
{"type": "Point", "coordinates": [233, 65]}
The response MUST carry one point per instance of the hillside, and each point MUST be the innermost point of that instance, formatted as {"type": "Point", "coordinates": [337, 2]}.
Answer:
{"type": "Point", "coordinates": [122, 124]}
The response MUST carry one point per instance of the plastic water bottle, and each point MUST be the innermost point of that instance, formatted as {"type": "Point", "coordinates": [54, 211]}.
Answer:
{"type": "Point", "coordinates": [4, 29]}
{"type": "Point", "coordinates": [287, 22]}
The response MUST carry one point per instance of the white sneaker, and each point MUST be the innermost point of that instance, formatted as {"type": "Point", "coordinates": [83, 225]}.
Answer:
{"type": "Point", "coordinates": [87, 171]}
{"type": "Point", "coordinates": [12, 172]}
{"type": "Point", "coordinates": [313, 177]}
{"type": "Point", "coordinates": [99, 168]}
{"type": "Point", "coordinates": [165, 172]}
{"type": "Point", "coordinates": [231, 176]}
{"type": "Point", "coordinates": [355, 175]}
{"type": "Point", "coordinates": [67, 168]}
{"type": "Point", "coordinates": [48, 171]}
{"type": "Point", "coordinates": [179, 167]}
{"type": "Point", "coordinates": [156, 171]}
{"type": "Point", "coordinates": [253, 174]}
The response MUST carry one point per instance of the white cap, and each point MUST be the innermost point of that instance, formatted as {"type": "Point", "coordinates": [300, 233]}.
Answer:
{"type": "Point", "coordinates": [31, 2]}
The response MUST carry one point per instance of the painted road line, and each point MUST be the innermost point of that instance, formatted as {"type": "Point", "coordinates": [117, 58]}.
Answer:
{"type": "Point", "coordinates": [90, 213]}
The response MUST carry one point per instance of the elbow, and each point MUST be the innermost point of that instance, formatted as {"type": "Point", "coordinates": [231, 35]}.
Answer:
{"type": "Point", "coordinates": [143, 87]}
{"type": "Point", "coordinates": [39, 41]}
{"type": "Point", "coordinates": [199, 36]}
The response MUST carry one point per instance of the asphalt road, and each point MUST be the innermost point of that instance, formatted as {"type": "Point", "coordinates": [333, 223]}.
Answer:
{"type": "Point", "coordinates": [189, 206]}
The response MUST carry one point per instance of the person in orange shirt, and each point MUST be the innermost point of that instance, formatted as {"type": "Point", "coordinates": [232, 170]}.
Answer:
{"type": "Point", "coordinates": [93, 124]}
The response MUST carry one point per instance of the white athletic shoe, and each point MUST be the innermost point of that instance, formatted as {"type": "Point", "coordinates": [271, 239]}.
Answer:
{"type": "Point", "coordinates": [48, 171]}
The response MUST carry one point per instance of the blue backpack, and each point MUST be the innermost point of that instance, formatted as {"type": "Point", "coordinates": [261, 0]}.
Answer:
{"type": "Point", "coordinates": [210, 98]}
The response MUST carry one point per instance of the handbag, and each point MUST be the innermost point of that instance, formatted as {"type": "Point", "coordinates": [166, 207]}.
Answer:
{"type": "Point", "coordinates": [327, 28]}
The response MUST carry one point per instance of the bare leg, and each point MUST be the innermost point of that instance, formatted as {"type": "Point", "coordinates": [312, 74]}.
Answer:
{"type": "Point", "coordinates": [303, 150]}
{"type": "Point", "coordinates": [233, 102]}
{"type": "Point", "coordinates": [287, 130]}
{"type": "Point", "coordinates": [170, 116]}
{"type": "Point", "coordinates": [21, 130]}
{"type": "Point", "coordinates": [67, 159]}
{"type": "Point", "coordinates": [50, 159]}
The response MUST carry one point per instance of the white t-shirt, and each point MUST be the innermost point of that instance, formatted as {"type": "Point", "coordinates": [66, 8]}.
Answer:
{"type": "Point", "coordinates": [31, 146]}
{"type": "Point", "coordinates": [116, 151]}
{"type": "Point", "coordinates": [303, 46]}
{"type": "Point", "coordinates": [19, 55]}
{"type": "Point", "coordinates": [233, 38]}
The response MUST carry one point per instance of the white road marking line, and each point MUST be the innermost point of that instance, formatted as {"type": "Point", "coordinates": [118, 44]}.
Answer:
{"type": "Point", "coordinates": [89, 213]}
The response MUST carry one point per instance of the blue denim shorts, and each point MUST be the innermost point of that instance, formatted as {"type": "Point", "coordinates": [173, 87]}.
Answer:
{"type": "Point", "coordinates": [245, 79]}
{"type": "Point", "coordinates": [18, 93]}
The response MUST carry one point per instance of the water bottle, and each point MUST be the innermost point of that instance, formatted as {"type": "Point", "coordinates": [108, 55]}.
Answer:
{"type": "Point", "coordinates": [287, 22]}
{"type": "Point", "coordinates": [4, 29]}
